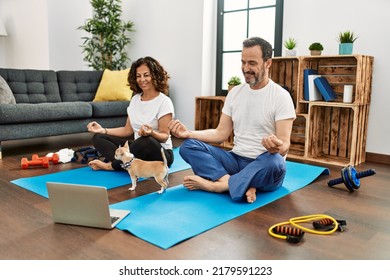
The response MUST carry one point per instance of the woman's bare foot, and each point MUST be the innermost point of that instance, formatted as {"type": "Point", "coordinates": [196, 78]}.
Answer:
{"type": "Point", "coordinates": [100, 165]}
{"type": "Point", "coordinates": [251, 195]}
{"type": "Point", "coordinates": [195, 182]}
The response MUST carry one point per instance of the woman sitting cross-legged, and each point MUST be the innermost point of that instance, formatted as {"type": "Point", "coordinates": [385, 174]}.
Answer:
{"type": "Point", "coordinates": [149, 112]}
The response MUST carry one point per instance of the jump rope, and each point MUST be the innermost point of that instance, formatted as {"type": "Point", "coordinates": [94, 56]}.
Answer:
{"type": "Point", "coordinates": [323, 224]}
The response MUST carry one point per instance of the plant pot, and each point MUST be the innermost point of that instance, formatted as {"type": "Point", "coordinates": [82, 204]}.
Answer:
{"type": "Point", "coordinates": [345, 48]}
{"type": "Point", "coordinates": [291, 52]}
{"type": "Point", "coordinates": [230, 87]}
{"type": "Point", "coordinates": [315, 52]}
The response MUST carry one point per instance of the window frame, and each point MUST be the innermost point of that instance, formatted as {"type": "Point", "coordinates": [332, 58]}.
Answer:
{"type": "Point", "coordinates": [277, 44]}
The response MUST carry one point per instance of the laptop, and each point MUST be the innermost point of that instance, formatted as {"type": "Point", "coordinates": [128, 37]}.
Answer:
{"type": "Point", "coordinates": [83, 205]}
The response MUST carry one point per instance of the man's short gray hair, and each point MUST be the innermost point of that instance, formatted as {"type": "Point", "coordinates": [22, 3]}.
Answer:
{"type": "Point", "coordinates": [266, 47]}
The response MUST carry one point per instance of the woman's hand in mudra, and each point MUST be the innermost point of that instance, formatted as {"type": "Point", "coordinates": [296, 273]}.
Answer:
{"type": "Point", "coordinates": [145, 130]}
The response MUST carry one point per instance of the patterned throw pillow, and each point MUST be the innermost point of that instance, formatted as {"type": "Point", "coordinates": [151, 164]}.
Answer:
{"type": "Point", "coordinates": [6, 95]}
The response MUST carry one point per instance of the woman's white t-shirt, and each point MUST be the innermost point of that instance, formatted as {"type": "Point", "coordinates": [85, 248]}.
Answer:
{"type": "Point", "coordinates": [149, 112]}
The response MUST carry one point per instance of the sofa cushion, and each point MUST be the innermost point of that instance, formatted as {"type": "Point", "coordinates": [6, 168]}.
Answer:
{"type": "Point", "coordinates": [109, 109]}
{"type": "Point", "coordinates": [6, 95]}
{"type": "Point", "coordinates": [114, 86]}
{"type": "Point", "coordinates": [78, 85]}
{"type": "Point", "coordinates": [32, 86]}
{"type": "Point", "coordinates": [44, 112]}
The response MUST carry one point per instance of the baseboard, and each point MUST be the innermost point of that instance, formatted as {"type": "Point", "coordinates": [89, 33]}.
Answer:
{"type": "Point", "coordinates": [378, 158]}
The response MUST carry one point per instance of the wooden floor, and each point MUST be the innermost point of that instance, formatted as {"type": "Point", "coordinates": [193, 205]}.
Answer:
{"type": "Point", "coordinates": [27, 230]}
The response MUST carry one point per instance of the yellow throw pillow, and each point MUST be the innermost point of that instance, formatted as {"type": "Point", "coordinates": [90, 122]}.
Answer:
{"type": "Point", "coordinates": [114, 86]}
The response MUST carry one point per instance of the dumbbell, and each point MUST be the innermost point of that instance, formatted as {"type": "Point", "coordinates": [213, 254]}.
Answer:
{"type": "Point", "coordinates": [350, 177]}
{"type": "Point", "coordinates": [36, 160]}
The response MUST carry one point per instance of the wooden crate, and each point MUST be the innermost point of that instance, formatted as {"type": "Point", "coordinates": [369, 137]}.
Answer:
{"type": "Point", "coordinates": [298, 137]}
{"type": "Point", "coordinates": [284, 71]}
{"type": "Point", "coordinates": [208, 111]}
{"type": "Point", "coordinates": [337, 134]}
{"type": "Point", "coordinates": [353, 70]}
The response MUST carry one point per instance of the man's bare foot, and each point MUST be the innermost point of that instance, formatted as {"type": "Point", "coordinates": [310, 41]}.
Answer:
{"type": "Point", "coordinates": [251, 195]}
{"type": "Point", "coordinates": [100, 165]}
{"type": "Point", "coordinates": [195, 182]}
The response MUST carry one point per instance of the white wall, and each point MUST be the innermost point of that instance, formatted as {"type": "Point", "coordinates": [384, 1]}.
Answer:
{"type": "Point", "coordinates": [42, 34]}
{"type": "Point", "coordinates": [181, 35]}
{"type": "Point", "coordinates": [172, 31]}
{"type": "Point", "coordinates": [27, 44]}
{"type": "Point", "coordinates": [65, 52]}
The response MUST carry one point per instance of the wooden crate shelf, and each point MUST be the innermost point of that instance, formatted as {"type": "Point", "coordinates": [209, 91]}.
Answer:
{"type": "Point", "coordinates": [298, 136]}
{"type": "Point", "coordinates": [323, 132]}
{"type": "Point", "coordinates": [342, 70]}
{"type": "Point", "coordinates": [336, 134]}
{"type": "Point", "coordinates": [284, 71]}
{"type": "Point", "coordinates": [208, 110]}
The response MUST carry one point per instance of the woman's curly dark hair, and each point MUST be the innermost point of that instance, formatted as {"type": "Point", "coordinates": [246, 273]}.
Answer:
{"type": "Point", "coordinates": [159, 75]}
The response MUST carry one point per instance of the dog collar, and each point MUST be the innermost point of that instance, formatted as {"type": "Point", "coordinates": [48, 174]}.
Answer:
{"type": "Point", "coordinates": [126, 165]}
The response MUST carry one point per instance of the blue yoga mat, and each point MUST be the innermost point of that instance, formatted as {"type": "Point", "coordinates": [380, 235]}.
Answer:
{"type": "Point", "coordinates": [87, 176]}
{"type": "Point", "coordinates": [179, 214]}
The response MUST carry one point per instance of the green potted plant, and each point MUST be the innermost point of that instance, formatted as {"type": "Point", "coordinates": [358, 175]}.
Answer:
{"type": "Point", "coordinates": [233, 81]}
{"type": "Point", "coordinates": [346, 40]}
{"type": "Point", "coordinates": [316, 48]}
{"type": "Point", "coordinates": [105, 48]}
{"type": "Point", "coordinates": [290, 44]}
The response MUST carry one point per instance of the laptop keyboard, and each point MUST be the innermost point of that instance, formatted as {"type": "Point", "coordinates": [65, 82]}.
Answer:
{"type": "Point", "coordinates": [114, 219]}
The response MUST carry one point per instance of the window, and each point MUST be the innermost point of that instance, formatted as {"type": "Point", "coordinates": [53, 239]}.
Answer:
{"type": "Point", "coordinates": [240, 19]}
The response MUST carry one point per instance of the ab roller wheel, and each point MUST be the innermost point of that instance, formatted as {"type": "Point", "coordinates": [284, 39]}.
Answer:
{"type": "Point", "coordinates": [351, 178]}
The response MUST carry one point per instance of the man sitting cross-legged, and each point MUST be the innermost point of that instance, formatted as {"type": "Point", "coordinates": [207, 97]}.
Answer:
{"type": "Point", "coordinates": [261, 114]}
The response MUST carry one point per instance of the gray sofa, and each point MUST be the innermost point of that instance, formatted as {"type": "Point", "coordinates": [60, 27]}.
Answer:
{"type": "Point", "coordinates": [49, 103]}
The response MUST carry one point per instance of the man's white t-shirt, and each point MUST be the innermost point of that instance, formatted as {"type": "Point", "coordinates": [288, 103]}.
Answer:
{"type": "Point", "coordinates": [149, 112]}
{"type": "Point", "coordinates": [254, 113]}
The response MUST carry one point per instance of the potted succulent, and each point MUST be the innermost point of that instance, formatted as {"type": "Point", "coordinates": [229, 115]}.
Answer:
{"type": "Point", "coordinates": [233, 81]}
{"type": "Point", "coordinates": [346, 40]}
{"type": "Point", "coordinates": [316, 48]}
{"type": "Point", "coordinates": [290, 45]}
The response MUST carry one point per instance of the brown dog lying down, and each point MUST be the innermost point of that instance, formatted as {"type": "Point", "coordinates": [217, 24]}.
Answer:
{"type": "Point", "coordinates": [138, 168]}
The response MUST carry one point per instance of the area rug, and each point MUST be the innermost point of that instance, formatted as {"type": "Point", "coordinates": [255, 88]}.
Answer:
{"type": "Point", "coordinates": [87, 176]}
{"type": "Point", "coordinates": [179, 214]}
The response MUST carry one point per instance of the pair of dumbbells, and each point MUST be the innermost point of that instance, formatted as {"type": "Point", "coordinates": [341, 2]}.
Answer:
{"type": "Point", "coordinates": [351, 178]}
{"type": "Point", "coordinates": [39, 161]}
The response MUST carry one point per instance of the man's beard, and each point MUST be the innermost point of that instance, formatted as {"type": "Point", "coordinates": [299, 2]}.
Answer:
{"type": "Point", "coordinates": [257, 79]}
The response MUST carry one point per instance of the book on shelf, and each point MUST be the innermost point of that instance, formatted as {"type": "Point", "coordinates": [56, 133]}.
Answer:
{"type": "Point", "coordinates": [325, 88]}
{"type": "Point", "coordinates": [306, 73]}
{"type": "Point", "coordinates": [314, 93]}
